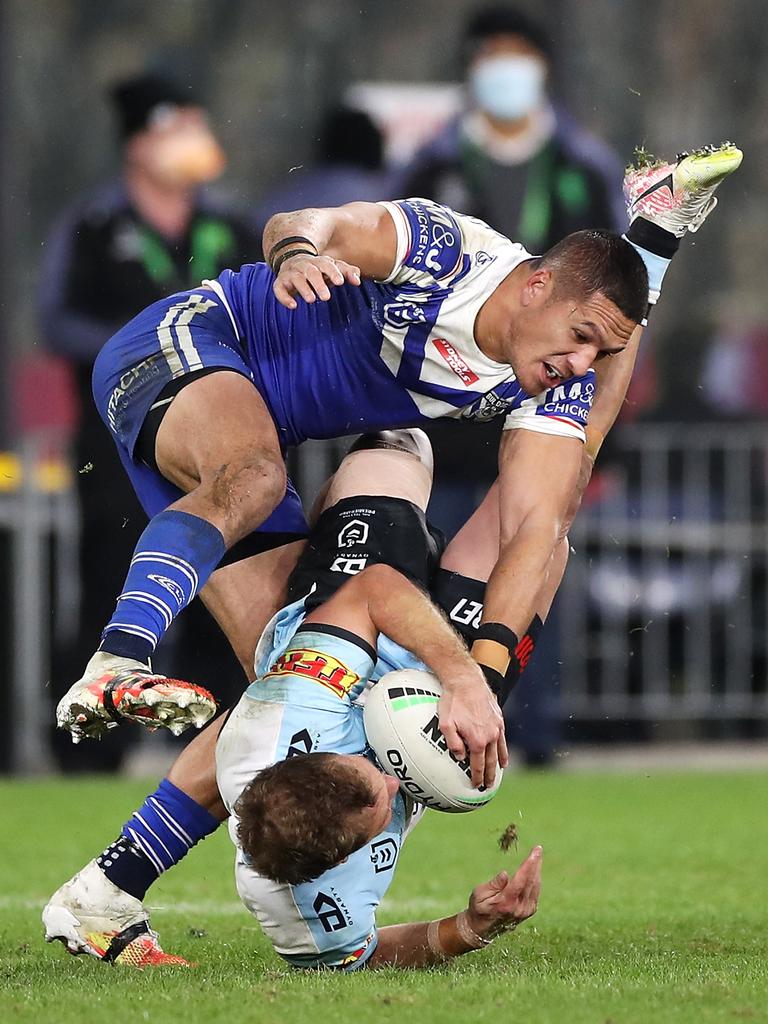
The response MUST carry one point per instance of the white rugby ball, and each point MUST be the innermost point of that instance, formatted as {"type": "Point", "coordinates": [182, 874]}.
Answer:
{"type": "Point", "coordinates": [401, 723]}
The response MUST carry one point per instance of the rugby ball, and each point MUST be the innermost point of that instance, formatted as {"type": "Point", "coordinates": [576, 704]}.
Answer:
{"type": "Point", "coordinates": [401, 724]}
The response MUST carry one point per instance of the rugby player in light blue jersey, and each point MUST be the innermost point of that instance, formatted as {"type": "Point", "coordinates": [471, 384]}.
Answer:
{"type": "Point", "coordinates": [316, 898]}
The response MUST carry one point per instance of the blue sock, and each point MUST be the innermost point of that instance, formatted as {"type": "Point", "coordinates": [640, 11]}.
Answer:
{"type": "Point", "coordinates": [157, 836]}
{"type": "Point", "coordinates": [174, 557]}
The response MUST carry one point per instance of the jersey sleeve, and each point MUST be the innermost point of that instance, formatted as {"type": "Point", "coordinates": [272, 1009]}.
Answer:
{"type": "Point", "coordinates": [562, 410]}
{"type": "Point", "coordinates": [430, 243]}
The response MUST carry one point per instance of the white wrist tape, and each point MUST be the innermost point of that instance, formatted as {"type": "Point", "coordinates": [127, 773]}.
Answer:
{"type": "Point", "coordinates": [433, 940]}
{"type": "Point", "coordinates": [468, 934]}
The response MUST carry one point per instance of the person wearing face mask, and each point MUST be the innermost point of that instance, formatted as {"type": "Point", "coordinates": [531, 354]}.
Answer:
{"type": "Point", "coordinates": [122, 246]}
{"type": "Point", "coordinates": [515, 160]}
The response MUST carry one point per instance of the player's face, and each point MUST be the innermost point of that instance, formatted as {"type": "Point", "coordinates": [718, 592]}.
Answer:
{"type": "Point", "coordinates": [376, 818]}
{"type": "Point", "coordinates": [550, 340]}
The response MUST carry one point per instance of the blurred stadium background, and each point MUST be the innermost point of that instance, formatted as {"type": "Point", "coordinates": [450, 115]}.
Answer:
{"type": "Point", "coordinates": [664, 613]}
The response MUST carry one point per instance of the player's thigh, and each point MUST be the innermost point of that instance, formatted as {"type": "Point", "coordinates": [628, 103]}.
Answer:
{"type": "Point", "coordinates": [244, 596]}
{"type": "Point", "coordinates": [474, 550]}
{"type": "Point", "coordinates": [395, 463]}
{"type": "Point", "coordinates": [218, 420]}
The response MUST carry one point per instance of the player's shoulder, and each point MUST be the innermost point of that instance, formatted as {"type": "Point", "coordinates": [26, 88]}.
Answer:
{"type": "Point", "coordinates": [563, 409]}
{"type": "Point", "coordinates": [442, 243]}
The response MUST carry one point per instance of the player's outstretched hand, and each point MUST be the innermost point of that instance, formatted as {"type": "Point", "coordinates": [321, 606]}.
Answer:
{"type": "Point", "coordinates": [310, 277]}
{"type": "Point", "coordinates": [504, 902]}
{"type": "Point", "coordinates": [472, 723]}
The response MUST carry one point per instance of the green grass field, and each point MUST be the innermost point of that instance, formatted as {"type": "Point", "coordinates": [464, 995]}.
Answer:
{"type": "Point", "coordinates": [654, 908]}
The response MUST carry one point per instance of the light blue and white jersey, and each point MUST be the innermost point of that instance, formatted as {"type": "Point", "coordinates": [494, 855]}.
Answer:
{"type": "Point", "coordinates": [306, 698]}
{"type": "Point", "coordinates": [398, 352]}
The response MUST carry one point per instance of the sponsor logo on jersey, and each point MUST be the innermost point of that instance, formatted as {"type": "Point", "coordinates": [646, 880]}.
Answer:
{"type": "Point", "coordinates": [331, 911]}
{"type": "Point", "coordinates": [570, 401]}
{"type": "Point", "coordinates": [171, 586]}
{"type": "Point", "coordinates": [466, 375]}
{"type": "Point", "coordinates": [383, 855]}
{"type": "Point", "coordinates": [321, 668]}
{"type": "Point", "coordinates": [350, 566]}
{"type": "Point", "coordinates": [130, 381]}
{"type": "Point", "coordinates": [436, 239]}
{"type": "Point", "coordinates": [355, 532]}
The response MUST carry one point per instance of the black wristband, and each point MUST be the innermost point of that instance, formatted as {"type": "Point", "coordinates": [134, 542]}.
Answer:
{"type": "Point", "coordinates": [288, 255]}
{"type": "Point", "coordinates": [500, 634]}
{"type": "Point", "coordinates": [288, 241]}
{"type": "Point", "coordinates": [496, 682]}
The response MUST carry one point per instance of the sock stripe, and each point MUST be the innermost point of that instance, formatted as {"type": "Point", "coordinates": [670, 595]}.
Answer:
{"type": "Point", "coordinates": [146, 849]}
{"type": "Point", "coordinates": [172, 824]}
{"type": "Point", "coordinates": [171, 560]}
{"type": "Point", "coordinates": [137, 595]}
{"type": "Point", "coordinates": [153, 833]}
{"type": "Point", "coordinates": [129, 627]}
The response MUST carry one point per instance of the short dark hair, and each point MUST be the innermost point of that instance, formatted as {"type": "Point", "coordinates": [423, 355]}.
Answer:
{"type": "Point", "coordinates": [500, 20]}
{"type": "Point", "coordinates": [600, 261]}
{"type": "Point", "coordinates": [297, 817]}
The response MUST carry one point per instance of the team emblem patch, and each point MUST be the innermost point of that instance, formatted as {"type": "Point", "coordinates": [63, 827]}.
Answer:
{"type": "Point", "coordinates": [355, 532]}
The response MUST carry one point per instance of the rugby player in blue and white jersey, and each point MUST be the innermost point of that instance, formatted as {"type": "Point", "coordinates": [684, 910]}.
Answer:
{"type": "Point", "coordinates": [297, 822]}
{"type": "Point", "coordinates": [406, 312]}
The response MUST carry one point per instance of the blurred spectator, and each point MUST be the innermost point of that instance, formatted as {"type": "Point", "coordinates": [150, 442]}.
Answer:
{"type": "Point", "coordinates": [524, 166]}
{"type": "Point", "coordinates": [347, 165]}
{"type": "Point", "coordinates": [122, 247]}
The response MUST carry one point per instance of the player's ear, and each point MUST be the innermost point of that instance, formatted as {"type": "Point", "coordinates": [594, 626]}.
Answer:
{"type": "Point", "coordinates": [537, 288]}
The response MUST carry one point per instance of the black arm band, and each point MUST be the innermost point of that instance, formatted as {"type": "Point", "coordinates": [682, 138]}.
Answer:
{"type": "Point", "coordinates": [499, 633]}
{"type": "Point", "coordinates": [288, 255]}
{"type": "Point", "coordinates": [288, 241]}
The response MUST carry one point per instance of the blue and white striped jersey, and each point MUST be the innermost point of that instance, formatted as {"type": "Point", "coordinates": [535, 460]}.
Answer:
{"type": "Point", "coordinates": [397, 352]}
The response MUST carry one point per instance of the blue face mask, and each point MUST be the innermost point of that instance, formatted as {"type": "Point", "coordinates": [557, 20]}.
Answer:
{"type": "Point", "coordinates": [508, 87]}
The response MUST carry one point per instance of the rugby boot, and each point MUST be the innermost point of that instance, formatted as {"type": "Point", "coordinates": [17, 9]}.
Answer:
{"type": "Point", "coordinates": [114, 688]}
{"type": "Point", "coordinates": [89, 914]}
{"type": "Point", "coordinates": [678, 196]}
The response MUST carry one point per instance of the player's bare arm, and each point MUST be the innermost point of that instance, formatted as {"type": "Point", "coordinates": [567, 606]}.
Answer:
{"type": "Point", "coordinates": [382, 600]}
{"type": "Point", "coordinates": [496, 907]}
{"type": "Point", "coordinates": [311, 250]}
{"type": "Point", "coordinates": [537, 477]}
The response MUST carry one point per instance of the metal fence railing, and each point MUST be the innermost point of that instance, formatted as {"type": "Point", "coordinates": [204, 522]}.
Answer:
{"type": "Point", "coordinates": [664, 609]}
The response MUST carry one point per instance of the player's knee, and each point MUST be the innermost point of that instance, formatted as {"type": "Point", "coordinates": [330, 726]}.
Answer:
{"type": "Point", "coordinates": [407, 439]}
{"type": "Point", "coordinates": [241, 491]}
